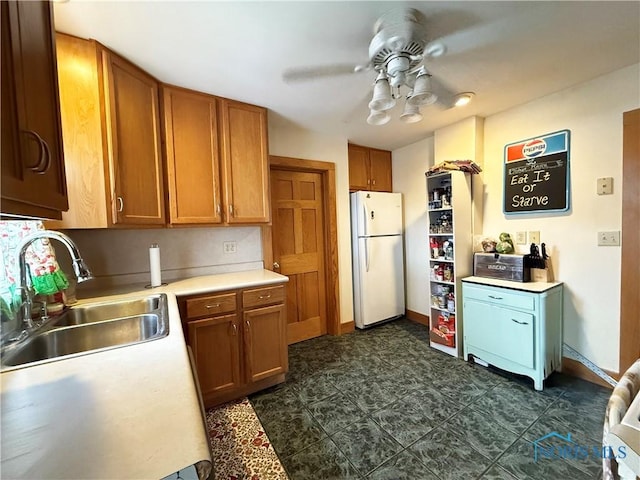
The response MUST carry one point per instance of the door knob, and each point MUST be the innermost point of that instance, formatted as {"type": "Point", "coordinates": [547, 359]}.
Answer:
{"type": "Point", "coordinates": [276, 266]}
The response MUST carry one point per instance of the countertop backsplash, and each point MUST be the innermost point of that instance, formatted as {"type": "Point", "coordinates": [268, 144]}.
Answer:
{"type": "Point", "coordinates": [121, 257]}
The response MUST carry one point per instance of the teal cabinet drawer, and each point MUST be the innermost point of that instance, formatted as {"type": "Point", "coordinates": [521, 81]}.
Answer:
{"type": "Point", "coordinates": [499, 296]}
{"type": "Point", "coordinates": [504, 332]}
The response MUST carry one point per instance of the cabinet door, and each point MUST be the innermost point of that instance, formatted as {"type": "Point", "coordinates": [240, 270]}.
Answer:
{"type": "Point", "coordinates": [501, 331]}
{"type": "Point", "coordinates": [380, 161]}
{"type": "Point", "coordinates": [133, 133]}
{"type": "Point", "coordinates": [245, 169]}
{"type": "Point", "coordinates": [358, 168]}
{"type": "Point", "coordinates": [33, 178]}
{"type": "Point", "coordinates": [191, 147]}
{"type": "Point", "coordinates": [265, 342]}
{"type": "Point", "coordinates": [216, 348]}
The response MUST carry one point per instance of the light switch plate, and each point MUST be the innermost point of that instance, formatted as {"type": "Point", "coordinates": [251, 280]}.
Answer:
{"type": "Point", "coordinates": [521, 238]}
{"type": "Point", "coordinates": [534, 236]}
{"type": "Point", "coordinates": [605, 186]}
{"type": "Point", "coordinates": [609, 239]}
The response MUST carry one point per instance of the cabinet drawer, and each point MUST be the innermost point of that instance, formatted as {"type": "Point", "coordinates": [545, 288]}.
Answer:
{"type": "Point", "coordinates": [211, 305]}
{"type": "Point", "coordinates": [263, 296]}
{"type": "Point", "coordinates": [499, 296]}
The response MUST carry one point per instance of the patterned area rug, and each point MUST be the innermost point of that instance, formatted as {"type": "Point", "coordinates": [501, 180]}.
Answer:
{"type": "Point", "coordinates": [240, 447]}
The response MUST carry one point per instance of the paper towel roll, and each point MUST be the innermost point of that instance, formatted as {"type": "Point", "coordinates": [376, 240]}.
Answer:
{"type": "Point", "coordinates": [154, 263]}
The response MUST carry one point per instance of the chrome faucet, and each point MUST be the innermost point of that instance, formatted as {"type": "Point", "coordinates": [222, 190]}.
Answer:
{"type": "Point", "coordinates": [25, 323]}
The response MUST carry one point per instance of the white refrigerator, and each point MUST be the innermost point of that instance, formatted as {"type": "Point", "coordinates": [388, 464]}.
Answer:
{"type": "Point", "coordinates": [378, 257]}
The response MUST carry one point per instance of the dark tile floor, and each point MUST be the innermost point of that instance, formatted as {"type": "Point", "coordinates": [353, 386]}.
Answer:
{"type": "Point", "coordinates": [381, 404]}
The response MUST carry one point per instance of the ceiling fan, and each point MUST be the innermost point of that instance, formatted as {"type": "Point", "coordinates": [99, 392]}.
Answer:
{"type": "Point", "coordinates": [397, 52]}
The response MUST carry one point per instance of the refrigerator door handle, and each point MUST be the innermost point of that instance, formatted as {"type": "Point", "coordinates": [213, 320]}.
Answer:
{"type": "Point", "coordinates": [365, 218]}
{"type": "Point", "coordinates": [366, 252]}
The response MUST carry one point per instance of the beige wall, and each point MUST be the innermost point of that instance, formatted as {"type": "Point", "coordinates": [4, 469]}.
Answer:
{"type": "Point", "coordinates": [289, 140]}
{"type": "Point", "coordinates": [409, 166]}
{"type": "Point", "coordinates": [592, 111]}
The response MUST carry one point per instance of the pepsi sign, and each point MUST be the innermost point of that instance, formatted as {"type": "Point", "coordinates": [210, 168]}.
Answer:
{"type": "Point", "coordinates": [534, 148]}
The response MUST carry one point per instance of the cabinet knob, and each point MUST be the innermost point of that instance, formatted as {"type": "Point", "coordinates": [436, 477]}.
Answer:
{"type": "Point", "coordinates": [276, 266]}
{"type": "Point", "coordinates": [231, 212]}
{"type": "Point", "coordinates": [218, 209]}
{"type": "Point", "coordinates": [374, 182]}
{"type": "Point", "coordinates": [368, 181]}
{"type": "Point", "coordinates": [235, 329]}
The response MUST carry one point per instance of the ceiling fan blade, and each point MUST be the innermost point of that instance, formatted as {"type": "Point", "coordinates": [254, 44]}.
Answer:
{"type": "Point", "coordinates": [446, 97]}
{"type": "Point", "coordinates": [304, 74]}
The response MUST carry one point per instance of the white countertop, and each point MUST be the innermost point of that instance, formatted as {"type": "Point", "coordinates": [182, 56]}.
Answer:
{"type": "Point", "coordinates": [129, 412]}
{"type": "Point", "coordinates": [535, 287]}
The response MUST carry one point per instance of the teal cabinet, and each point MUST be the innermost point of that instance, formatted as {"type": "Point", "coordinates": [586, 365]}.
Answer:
{"type": "Point", "coordinates": [514, 326]}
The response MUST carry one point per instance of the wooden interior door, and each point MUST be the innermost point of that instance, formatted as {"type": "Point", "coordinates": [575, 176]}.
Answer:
{"type": "Point", "coordinates": [298, 249]}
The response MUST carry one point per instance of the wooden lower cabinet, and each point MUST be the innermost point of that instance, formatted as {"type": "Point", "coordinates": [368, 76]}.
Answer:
{"type": "Point", "coordinates": [216, 347]}
{"type": "Point", "coordinates": [239, 340]}
{"type": "Point", "coordinates": [265, 341]}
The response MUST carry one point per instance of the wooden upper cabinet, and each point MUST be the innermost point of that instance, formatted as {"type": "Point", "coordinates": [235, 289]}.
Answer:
{"type": "Point", "coordinates": [33, 174]}
{"type": "Point", "coordinates": [111, 130]}
{"type": "Point", "coordinates": [358, 168]}
{"type": "Point", "coordinates": [192, 155]}
{"type": "Point", "coordinates": [133, 131]}
{"type": "Point", "coordinates": [380, 161]}
{"type": "Point", "coordinates": [245, 168]}
{"type": "Point", "coordinates": [369, 169]}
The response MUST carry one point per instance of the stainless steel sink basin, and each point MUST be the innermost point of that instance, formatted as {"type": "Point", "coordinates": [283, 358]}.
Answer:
{"type": "Point", "coordinates": [98, 312]}
{"type": "Point", "coordinates": [91, 328]}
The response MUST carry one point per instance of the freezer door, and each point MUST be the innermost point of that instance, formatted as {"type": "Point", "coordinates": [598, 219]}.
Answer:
{"type": "Point", "coordinates": [381, 280]}
{"type": "Point", "coordinates": [376, 213]}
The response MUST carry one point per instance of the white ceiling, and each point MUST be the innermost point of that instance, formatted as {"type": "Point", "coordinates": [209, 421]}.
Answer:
{"type": "Point", "coordinates": [508, 53]}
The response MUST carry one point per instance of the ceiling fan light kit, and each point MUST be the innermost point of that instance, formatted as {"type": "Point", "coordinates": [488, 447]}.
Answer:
{"type": "Point", "coordinates": [422, 91]}
{"type": "Point", "coordinates": [397, 51]}
{"type": "Point", "coordinates": [378, 118]}
{"type": "Point", "coordinates": [382, 98]}
{"type": "Point", "coordinates": [411, 113]}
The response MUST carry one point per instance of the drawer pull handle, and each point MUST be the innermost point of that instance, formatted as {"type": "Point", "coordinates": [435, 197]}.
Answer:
{"type": "Point", "coordinates": [519, 323]}
{"type": "Point", "coordinates": [495, 298]}
{"type": "Point", "coordinates": [212, 306]}
{"type": "Point", "coordinates": [262, 297]}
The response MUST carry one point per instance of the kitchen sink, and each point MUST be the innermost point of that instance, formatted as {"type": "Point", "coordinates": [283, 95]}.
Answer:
{"type": "Point", "coordinates": [91, 328]}
{"type": "Point", "coordinates": [98, 312]}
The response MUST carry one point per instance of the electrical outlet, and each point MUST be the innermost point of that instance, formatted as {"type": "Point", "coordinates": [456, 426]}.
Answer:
{"type": "Point", "coordinates": [609, 239]}
{"type": "Point", "coordinates": [229, 247]}
{"type": "Point", "coordinates": [534, 236]}
{"type": "Point", "coordinates": [605, 186]}
{"type": "Point", "coordinates": [521, 238]}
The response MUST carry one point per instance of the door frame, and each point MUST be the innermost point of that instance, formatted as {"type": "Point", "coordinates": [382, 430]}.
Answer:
{"type": "Point", "coordinates": [630, 268]}
{"type": "Point", "coordinates": [327, 170]}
